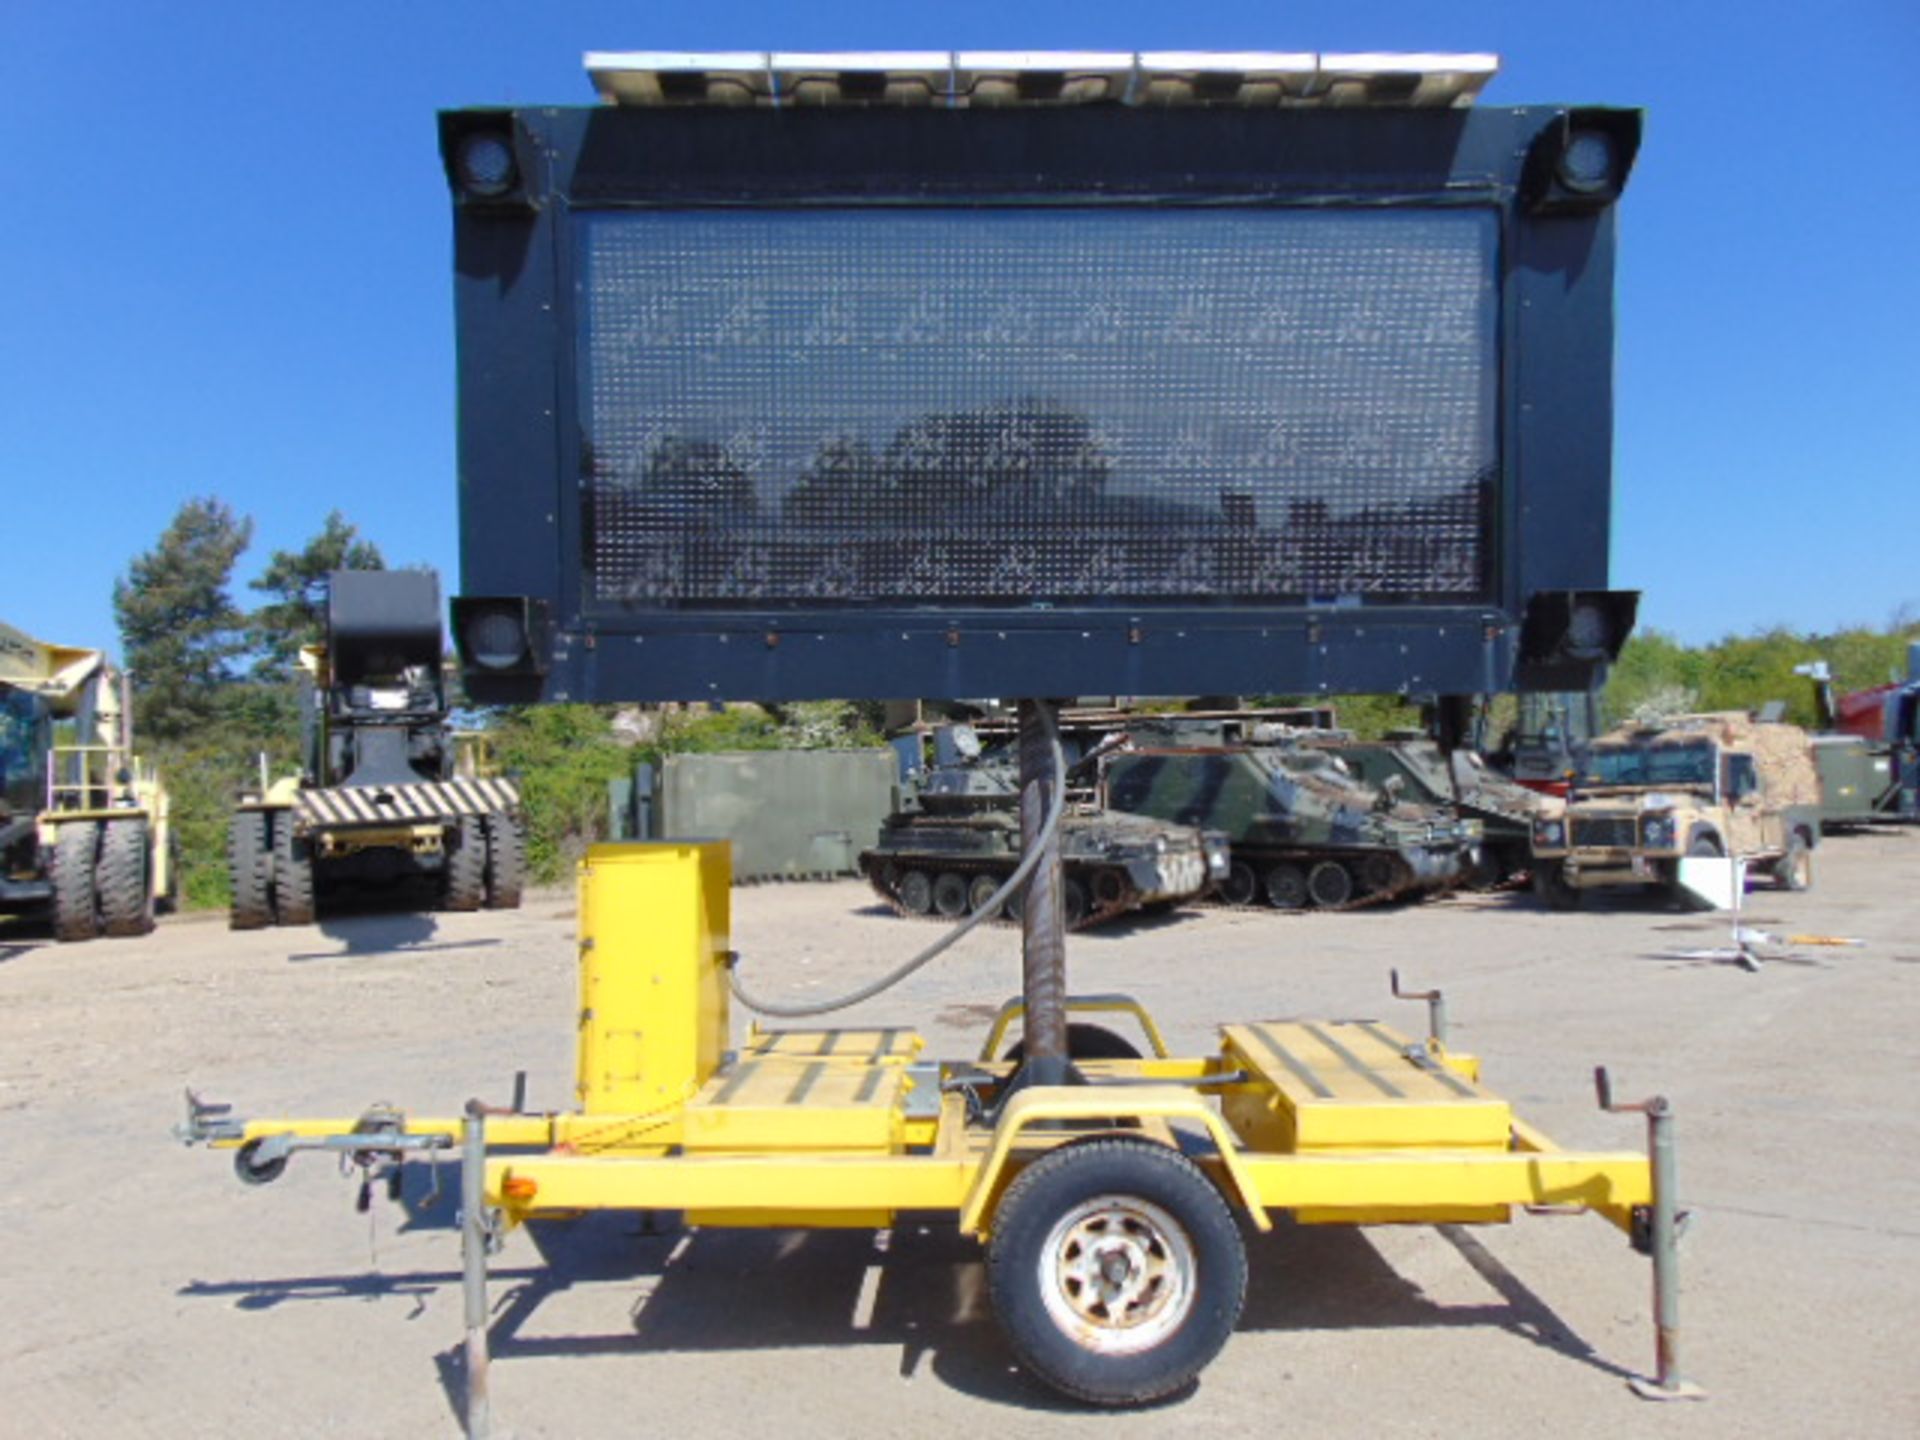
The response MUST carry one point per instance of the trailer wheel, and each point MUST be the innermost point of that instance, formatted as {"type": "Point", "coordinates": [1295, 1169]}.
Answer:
{"type": "Point", "coordinates": [76, 895]}
{"type": "Point", "coordinates": [463, 881]}
{"type": "Point", "coordinates": [250, 869]}
{"type": "Point", "coordinates": [950, 894]}
{"type": "Point", "coordinates": [506, 862]}
{"type": "Point", "coordinates": [1330, 884]}
{"type": "Point", "coordinates": [1242, 886]}
{"type": "Point", "coordinates": [1116, 1270]}
{"type": "Point", "coordinates": [264, 1173]}
{"type": "Point", "coordinates": [292, 875]}
{"type": "Point", "coordinates": [1795, 869]}
{"type": "Point", "coordinates": [125, 877]}
{"type": "Point", "coordinates": [1286, 886]}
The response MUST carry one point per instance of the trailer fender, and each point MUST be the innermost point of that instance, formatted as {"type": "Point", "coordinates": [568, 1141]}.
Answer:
{"type": "Point", "coordinates": [1045, 1103]}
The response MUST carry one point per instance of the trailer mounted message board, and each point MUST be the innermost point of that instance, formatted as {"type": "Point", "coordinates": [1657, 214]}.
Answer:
{"type": "Point", "coordinates": [952, 376]}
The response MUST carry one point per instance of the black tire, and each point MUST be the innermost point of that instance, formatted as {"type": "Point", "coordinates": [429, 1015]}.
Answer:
{"type": "Point", "coordinates": [1794, 871]}
{"type": "Point", "coordinates": [1705, 847]}
{"type": "Point", "coordinates": [76, 895]}
{"type": "Point", "coordinates": [1381, 872]}
{"type": "Point", "coordinates": [1119, 1339]}
{"type": "Point", "coordinates": [264, 1173]}
{"type": "Point", "coordinates": [950, 894]}
{"type": "Point", "coordinates": [1084, 1042]}
{"type": "Point", "coordinates": [1285, 886]}
{"type": "Point", "coordinates": [1485, 869]}
{"type": "Point", "coordinates": [1110, 888]}
{"type": "Point", "coordinates": [292, 874]}
{"type": "Point", "coordinates": [981, 891]}
{"type": "Point", "coordinates": [1551, 888]}
{"type": "Point", "coordinates": [250, 869]}
{"type": "Point", "coordinates": [1242, 886]}
{"type": "Point", "coordinates": [463, 874]}
{"type": "Point", "coordinates": [916, 892]}
{"type": "Point", "coordinates": [1073, 901]}
{"type": "Point", "coordinates": [506, 861]}
{"type": "Point", "coordinates": [124, 878]}
{"type": "Point", "coordinates": [1330, 884]}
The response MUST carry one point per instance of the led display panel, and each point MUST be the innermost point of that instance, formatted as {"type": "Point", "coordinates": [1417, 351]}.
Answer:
{"type": "Point", "coordinates": [1004, 406]}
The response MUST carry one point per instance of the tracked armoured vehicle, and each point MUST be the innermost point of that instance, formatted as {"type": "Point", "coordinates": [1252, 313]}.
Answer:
{"type": "Point", "coordinates": [1461, 783]}
{"type": "Point", "coordinates": [956, 835]}
{"type": "Point", "coordinates": [1304, 830]}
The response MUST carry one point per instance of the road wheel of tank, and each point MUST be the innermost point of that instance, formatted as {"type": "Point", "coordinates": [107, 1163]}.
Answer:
{"type": "Point", "coordinates": [1795, 869]}
{"type": "Point", "coordinates": [1116, 1270]}
{"type": "Point", "coordinates": [463, 876]}
{"type": "Point", "coordinates": [1017, 902]}
{"type": "Point", "coordinates": [292, 875]}
{"type": "Point", "coordinates": [1551, 888]}
{"type": "Point", "coordinates": [1084, 1042]}
{"type": "Point", "coordinates": [1073, 901]}
{"type": "Point", "coordinates": [76, 894]}
{"type": "Point", "coordinates": [1109, 889]}
{"type": "Point", "coordinates": [950, 894]}
{"type": "Point", "coordinates": [250, 869]}
{"type": "Point", "coordinates": [916, 892]}
{"type": "Point", "coordinates": [1242, 886]}
{"type": "Point", "coordinates": [125, 877]}
{"type": "Point", "coordinates": [1380, 873]}
{"type": "Point", "coordinates": [981, 891]}
{"type": "Point", "coordinates": [506, 862]}
{"type": "Point", "coordinates": [1330, 884]}
{"type": "Point", "coordinates": [1286, 886]}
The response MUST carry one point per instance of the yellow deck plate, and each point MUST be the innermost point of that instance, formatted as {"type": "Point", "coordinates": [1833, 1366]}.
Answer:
{"type": "Point", "coordinates": [860, 1046]}
{"type": "Point", "coordinates": [1327, 1084]}
{"type": "Point", "coordinates": [794, 1104]}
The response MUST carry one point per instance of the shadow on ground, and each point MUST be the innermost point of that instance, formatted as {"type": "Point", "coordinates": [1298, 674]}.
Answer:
{"type": "Point", "coordinates": [385, 932]}
{"type": "Point", "coordinates": [919, 1289]}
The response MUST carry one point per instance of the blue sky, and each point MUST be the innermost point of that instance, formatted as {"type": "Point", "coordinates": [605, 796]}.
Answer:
{"type": "Point", "coordinates": [227, 248]}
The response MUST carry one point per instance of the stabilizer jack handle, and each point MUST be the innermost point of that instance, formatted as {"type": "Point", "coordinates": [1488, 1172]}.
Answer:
{"type": "Point", "coordinates": [1662, 1243]}
{"type": "Point", "coordinates": [1436, 1008]}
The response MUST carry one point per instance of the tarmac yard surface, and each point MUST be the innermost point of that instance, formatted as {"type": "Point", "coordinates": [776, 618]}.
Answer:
{"type": "Point", "coordinates": [149, 1294]}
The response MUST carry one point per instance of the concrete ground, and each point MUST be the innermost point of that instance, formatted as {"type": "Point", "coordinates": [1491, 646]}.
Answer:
{"type": "Point", "coordinates": [148, 1294]}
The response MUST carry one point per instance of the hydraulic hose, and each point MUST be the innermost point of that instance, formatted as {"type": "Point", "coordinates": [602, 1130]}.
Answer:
{"type": "Point", "coordinates": [1055, 809]}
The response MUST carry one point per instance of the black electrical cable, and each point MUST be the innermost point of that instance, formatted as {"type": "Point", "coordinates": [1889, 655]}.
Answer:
{"type": "Point", "coordinates": [1056, 807]}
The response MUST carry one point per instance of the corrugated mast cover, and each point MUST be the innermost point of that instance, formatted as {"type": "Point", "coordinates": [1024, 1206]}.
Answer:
{"type": "Point", "coordinates": [962, 78]}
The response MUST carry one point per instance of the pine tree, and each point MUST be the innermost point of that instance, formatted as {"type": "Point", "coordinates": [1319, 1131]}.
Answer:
{"type": "Point", "coordinates": [179, 630]}
{"type": "Point", "coordinates": [295, 579]}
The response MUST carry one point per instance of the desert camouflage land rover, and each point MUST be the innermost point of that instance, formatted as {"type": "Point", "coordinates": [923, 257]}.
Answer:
{"type": "Point", "coordinates": [1721, 784]}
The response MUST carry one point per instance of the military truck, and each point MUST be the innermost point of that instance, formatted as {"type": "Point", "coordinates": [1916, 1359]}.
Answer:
{"type": "Point", "coordinates": [954, 837]}
{"type": "Point", "coordinates": [85, 826]}
{"type": "Point", "coordinates": [1720, 784]}
{"type": "Point", "coordinates": [378, 800]}
{"type": "Point", "coordinates": [1463, 783]}
{"type": "Point", "coordinates": [1305, 831]}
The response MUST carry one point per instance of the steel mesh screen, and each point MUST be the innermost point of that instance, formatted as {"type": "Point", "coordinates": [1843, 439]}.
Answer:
{"type": "Point", "coordinates": [1010, 406]}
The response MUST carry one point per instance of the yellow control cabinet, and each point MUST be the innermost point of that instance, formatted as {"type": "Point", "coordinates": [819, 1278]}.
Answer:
{"type": "Point", "coordinates": [652, 1027]}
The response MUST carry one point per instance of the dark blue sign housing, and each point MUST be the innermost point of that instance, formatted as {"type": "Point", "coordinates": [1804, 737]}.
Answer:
{"type": "Point", "coordinates": [871, 401]}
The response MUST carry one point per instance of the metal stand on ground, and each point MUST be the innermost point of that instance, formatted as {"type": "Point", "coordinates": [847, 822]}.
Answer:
{"type": "Point", "coordinates": [1043, 940]}
{"type": "Point", "coordinates": [1669, 1381]}
{"type": "Point", "coordinates": [474, 1237]}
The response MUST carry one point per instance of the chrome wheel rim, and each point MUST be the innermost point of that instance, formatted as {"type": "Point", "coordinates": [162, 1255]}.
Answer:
{"type": "Point", "coordinates": [1116, 1275]}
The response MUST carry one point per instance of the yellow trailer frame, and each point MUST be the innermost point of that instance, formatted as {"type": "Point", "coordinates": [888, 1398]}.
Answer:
{"type": "Point", "coordinates": [1329, 1121]}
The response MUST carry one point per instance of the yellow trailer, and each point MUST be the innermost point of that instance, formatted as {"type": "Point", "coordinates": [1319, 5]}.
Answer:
{"type": "Point", "coordinates": [1109, 1208]}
